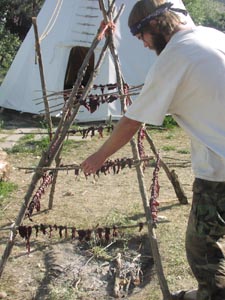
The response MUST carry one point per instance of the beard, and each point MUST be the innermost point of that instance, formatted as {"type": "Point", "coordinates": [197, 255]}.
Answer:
{"type": "Point", "coordinates": [159, 43]}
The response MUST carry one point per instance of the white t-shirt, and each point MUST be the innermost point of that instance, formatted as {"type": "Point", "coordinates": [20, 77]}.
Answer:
{"type": "Point", "coordinates": [187, 81]}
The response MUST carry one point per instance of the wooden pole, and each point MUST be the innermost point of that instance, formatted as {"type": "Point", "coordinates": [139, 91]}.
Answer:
{"type": "Point", "coordinates": [151, 231]}
{"type": "Point", "coordinates": [52, 191]}
{"type": "Point", "coordinates": [170, 174]}
{"type": "Point", "coordinates": [41, 70]}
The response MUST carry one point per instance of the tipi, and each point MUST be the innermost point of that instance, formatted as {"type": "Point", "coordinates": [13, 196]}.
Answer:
{"type": "Point", "coordinates": [66, 30]}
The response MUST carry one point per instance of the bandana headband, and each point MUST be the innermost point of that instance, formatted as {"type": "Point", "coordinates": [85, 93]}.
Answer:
{"type": "Point", "coordinates": [136, 28]}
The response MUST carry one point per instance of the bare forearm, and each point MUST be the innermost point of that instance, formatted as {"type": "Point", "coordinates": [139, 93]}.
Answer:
{"type": "Point", "coordinates": [121, 135]}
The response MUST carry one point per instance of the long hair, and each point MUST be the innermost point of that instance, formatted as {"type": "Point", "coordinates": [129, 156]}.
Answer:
{"type": "Point", "coordinates": [166, 22]}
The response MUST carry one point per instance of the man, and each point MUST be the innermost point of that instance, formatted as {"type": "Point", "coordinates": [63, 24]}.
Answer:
{"type": "Point", "coordinates": [187, 81]}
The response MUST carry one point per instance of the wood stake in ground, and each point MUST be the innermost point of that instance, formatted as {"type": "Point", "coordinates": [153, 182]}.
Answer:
{"type": "Point", "coordinates": [41, 70]}
{"type": "Point", "coordinates": [170, 174]}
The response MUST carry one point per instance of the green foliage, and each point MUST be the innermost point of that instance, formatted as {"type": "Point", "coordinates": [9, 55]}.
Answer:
{"type": "Point", "coordinates": [28, 144]}
{"type": "Point", "coordinates": [217, 21]}
{"type": "Point", "coordinates": [207, 12]}
{"type": "Point", "coordinates": [17, 14]}
{"type": "Point", "coordinates": [169, 122]}
{"type": "Point", "coordinates": [9, 44]}
{"type": "Point", "coordinates": [15, 21]}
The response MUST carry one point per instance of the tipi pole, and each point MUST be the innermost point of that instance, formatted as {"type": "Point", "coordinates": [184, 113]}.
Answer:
{"type": "Point", "coordinates": [152, 235]}
{"type": "Point", "coordinates": [171, 175]}
{"type": "Point", "coordinates": [47, 110]}
{"type": "Point", "coordinates": [54, 181]}
{"type": "Point", "coordinates": [41, 70]}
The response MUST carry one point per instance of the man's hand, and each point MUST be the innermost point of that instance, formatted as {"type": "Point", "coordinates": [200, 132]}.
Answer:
{"type": "Point", "coordinates": [122, 133]}
{"type": "Point", "coordinates": [93, 163]}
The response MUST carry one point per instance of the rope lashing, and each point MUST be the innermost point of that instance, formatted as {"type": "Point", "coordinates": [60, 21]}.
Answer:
{"type": "Point", "coordinates": [104, 28]}
{"type": "Point", "coordinates": [52, 20]}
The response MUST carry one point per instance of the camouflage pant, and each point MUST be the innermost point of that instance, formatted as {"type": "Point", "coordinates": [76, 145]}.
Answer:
{"type": "Point", "coordinates": [205, 239]}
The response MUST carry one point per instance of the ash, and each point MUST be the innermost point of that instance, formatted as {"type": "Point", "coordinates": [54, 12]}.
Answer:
{"type": "Point", "coordinates": [83, 271]}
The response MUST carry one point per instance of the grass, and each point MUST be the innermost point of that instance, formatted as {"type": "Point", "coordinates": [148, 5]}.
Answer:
{"type": "Point", "coordinates": [64, 292]}
{"type": "Point", "coordinates": [101, 253]}
{"type": "Point", "coordinates": [168, 148]}
{"type": "Point", "coordinates": [6, 188]}
{"type": "Point", "coordinates": [29, 145]}
{"type": "Point", "coordinates": [112, 199]}
{"type": "Point", "coordinates": [115, 217]}
{"type": "Point", "coordinates": [183, 151]}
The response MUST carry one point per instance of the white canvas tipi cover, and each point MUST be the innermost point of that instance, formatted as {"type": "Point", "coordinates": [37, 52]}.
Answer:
{"type": "Point", "coordinates": [64, 25]}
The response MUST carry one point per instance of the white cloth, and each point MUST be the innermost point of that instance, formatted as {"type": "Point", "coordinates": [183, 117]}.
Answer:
{"type": "Point", "coordinates": [188, 81]}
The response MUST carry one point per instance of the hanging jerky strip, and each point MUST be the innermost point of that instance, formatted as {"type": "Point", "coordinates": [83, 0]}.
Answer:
{"type": "Point", "coordinates": [140, 145]}
{"type": "Point", "coordinates": [101, 233]}
{"type": "Point", "coordinates": [25, 233]}
{"type": "Point", "coordinates": [153, 203]}
{"type": "Point", "coordinates": [93, 101]}
{"type": "Point", "coordinates": [109, 166]}
{"type": "Point", "coordinates": [85, 132]}
{"type": "Point", "coordinates": [35, 202]}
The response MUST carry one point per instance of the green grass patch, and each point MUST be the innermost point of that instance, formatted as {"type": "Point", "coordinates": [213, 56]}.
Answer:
{"type": "Point", "coordinates": [29, 145]}
{"type": "Point", "coordinates": [169, 148]}
{"type": "Point", "coordinates": [183, 151]}
{"type": "Point", "coordinates": [65, 292]}
{"type": "Point", "coordinates": [6, 188]}
{"type": "Point", "coordinates": [170, 136]}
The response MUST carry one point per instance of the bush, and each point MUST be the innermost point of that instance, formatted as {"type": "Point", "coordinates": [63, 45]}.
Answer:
{"type": "Point", "coordinates": [9, 45]}
{"type": "Point", "coordinates": [169, 122]}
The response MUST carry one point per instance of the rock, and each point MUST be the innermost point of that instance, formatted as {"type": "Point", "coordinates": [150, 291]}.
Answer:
{"type": "Point", "coordinates": [3, 295]}
{"type": "Point", "coordinates": [4, 166]}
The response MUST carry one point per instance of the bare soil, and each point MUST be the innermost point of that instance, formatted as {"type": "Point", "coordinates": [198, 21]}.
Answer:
{"type": "Point", "coordinates": [65, 268]}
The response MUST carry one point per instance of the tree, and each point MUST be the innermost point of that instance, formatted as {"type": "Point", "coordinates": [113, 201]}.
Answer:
{"type": "Point", "coordinates": [15, 21]}
{"type": "Point", "coordinates": [207, 12]}
{"type": "Point", "coordinates": [17, 15]}
{"type": "Point", "coordinates": [9, 44]}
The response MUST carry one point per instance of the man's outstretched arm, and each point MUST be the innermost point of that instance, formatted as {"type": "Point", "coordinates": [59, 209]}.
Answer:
{"type": "Point", "coordinates": [122, 134]}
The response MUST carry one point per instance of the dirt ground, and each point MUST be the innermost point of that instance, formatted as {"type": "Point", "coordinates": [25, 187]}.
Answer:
{"type": "Point", "coordinates": [65, 268]}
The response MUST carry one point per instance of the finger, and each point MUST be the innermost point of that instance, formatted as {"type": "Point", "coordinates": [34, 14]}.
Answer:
{"type": "Point", "coordinates": [87, 169]}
